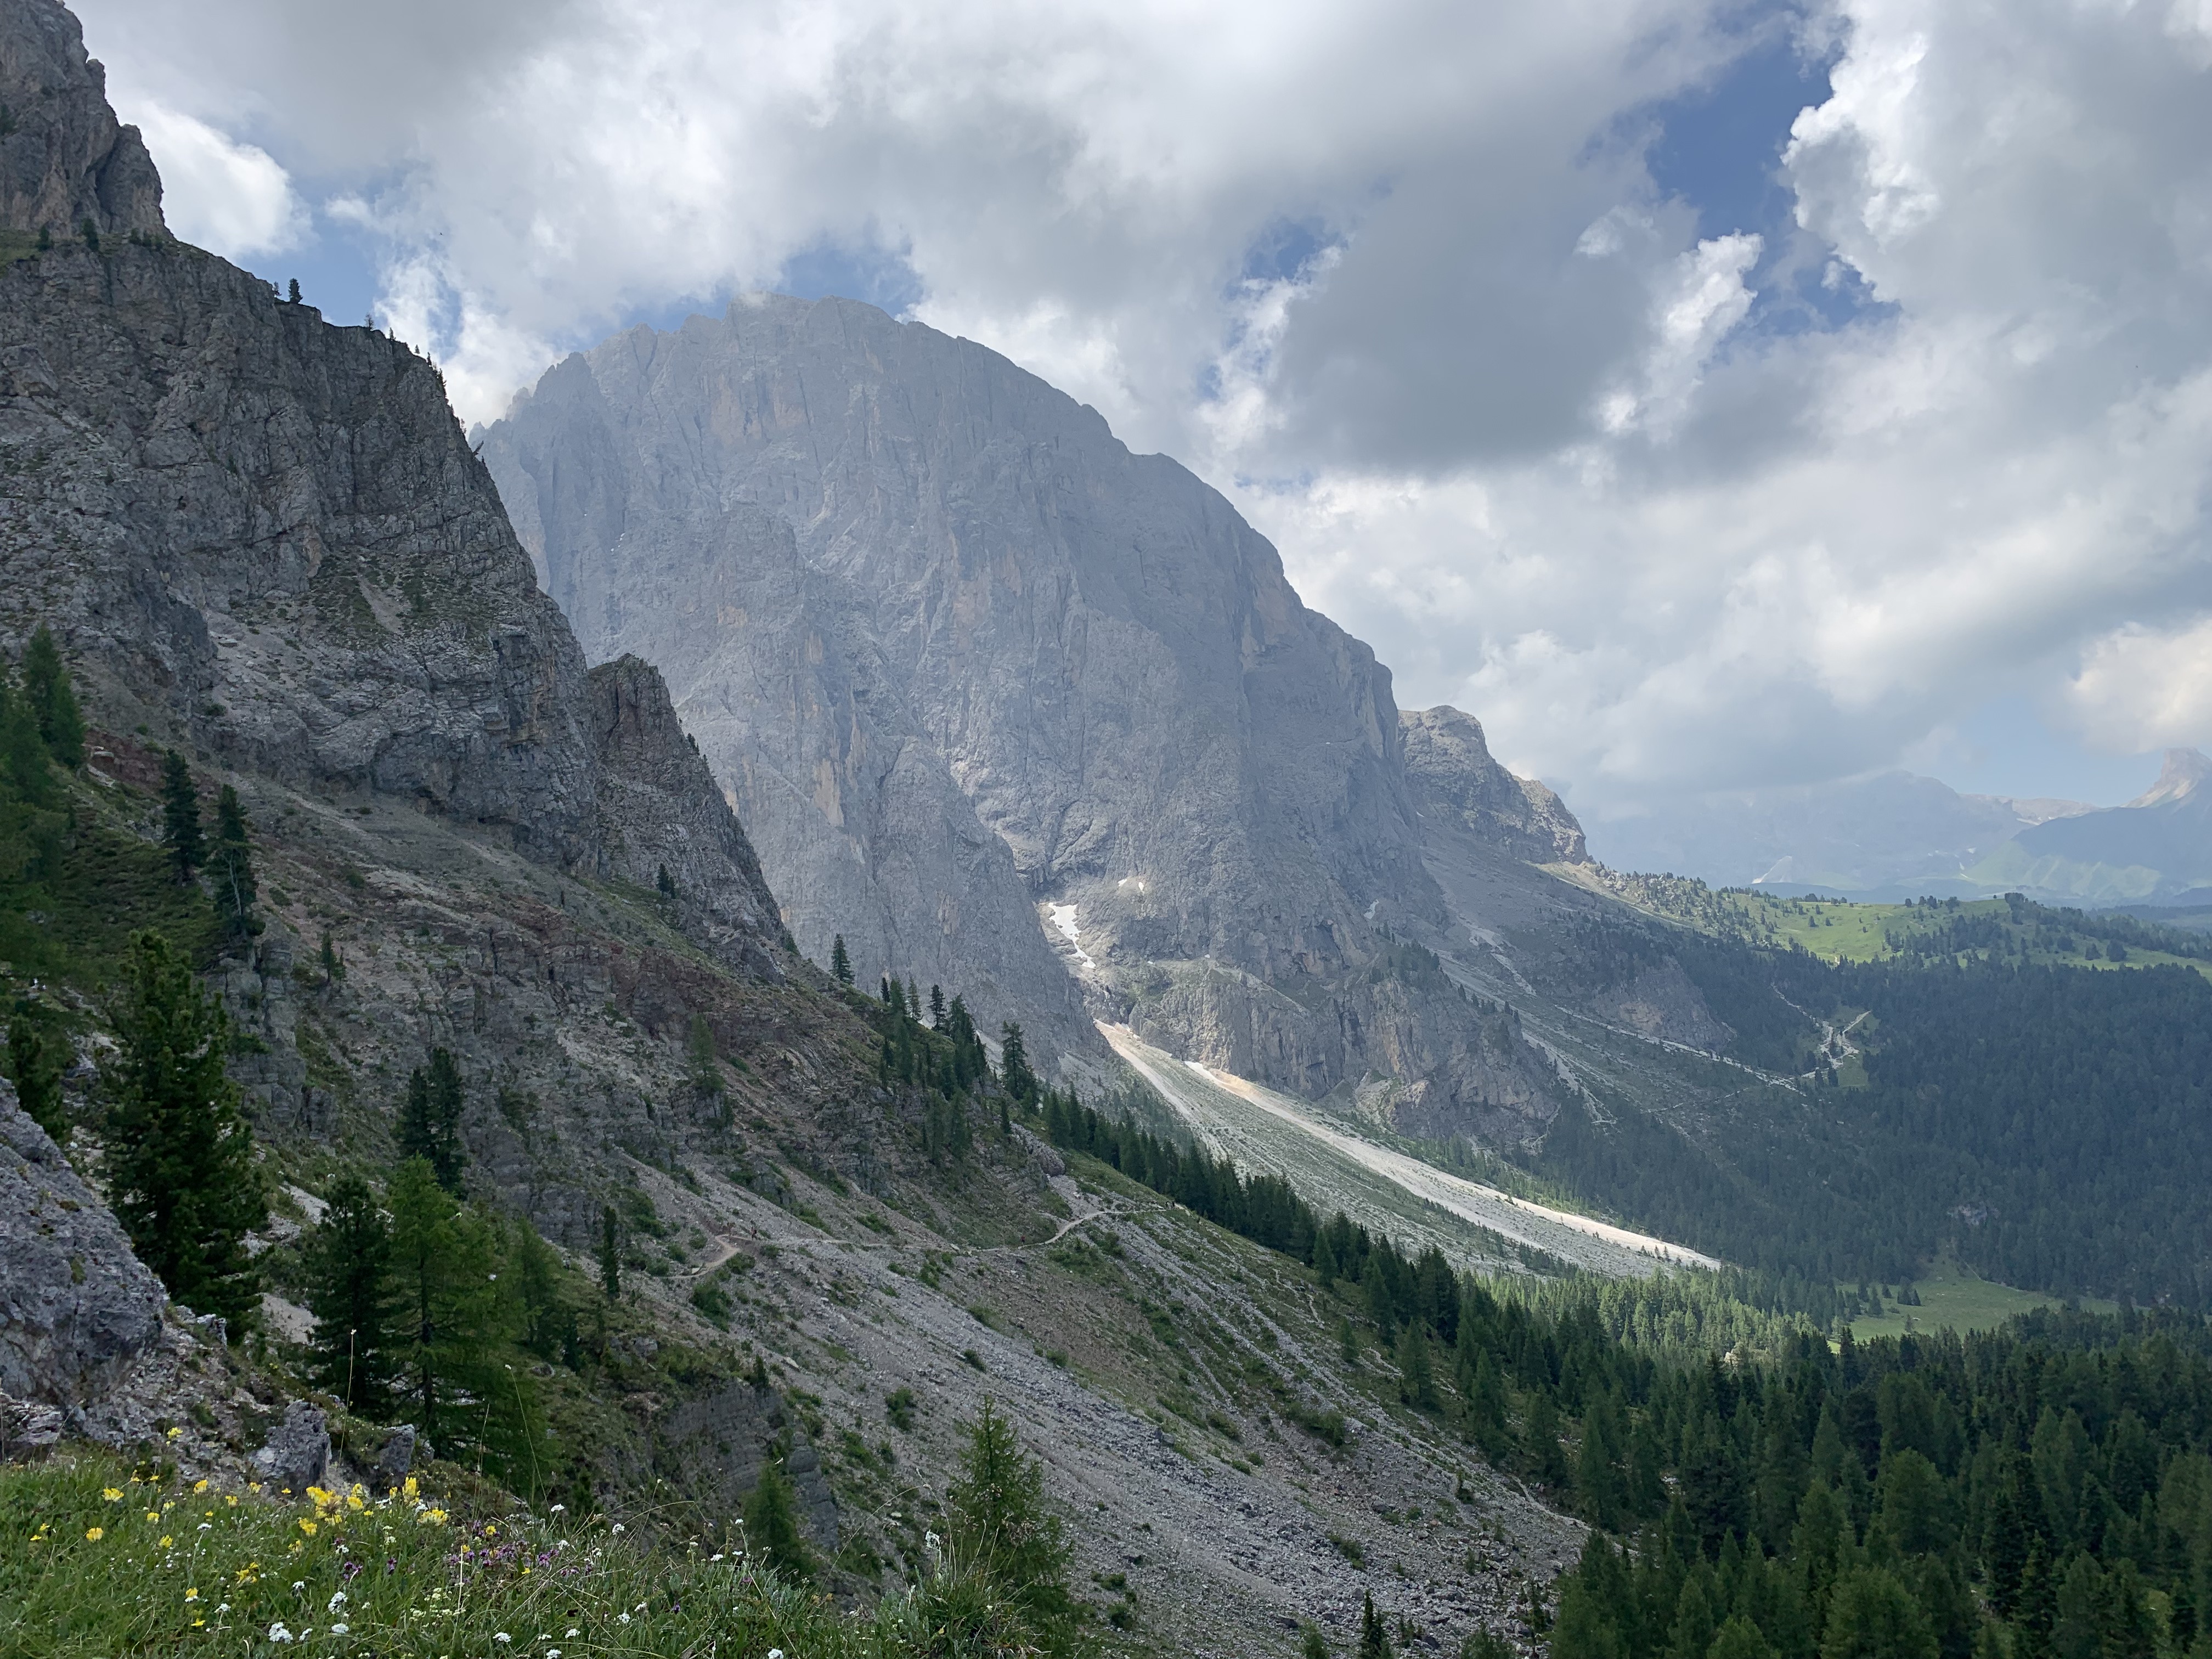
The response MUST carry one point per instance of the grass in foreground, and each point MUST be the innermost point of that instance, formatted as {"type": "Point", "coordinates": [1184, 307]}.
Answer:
{"type": "Point", "coordinates": [96, 1561]}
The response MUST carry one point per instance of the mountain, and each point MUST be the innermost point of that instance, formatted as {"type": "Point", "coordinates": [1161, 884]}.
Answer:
{"type": "Point", "coordinates": [1006, 706]}
{"type": "Point", "coordinates": [2156, 849]}
{"type": "Point", "coordinates": [1891, 836]}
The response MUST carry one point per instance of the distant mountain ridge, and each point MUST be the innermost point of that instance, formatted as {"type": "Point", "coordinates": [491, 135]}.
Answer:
{"type": "Point", "coordinates": [2155, 849]}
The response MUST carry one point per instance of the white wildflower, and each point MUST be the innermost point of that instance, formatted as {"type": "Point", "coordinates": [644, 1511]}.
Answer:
{"type": "Point", "coordinates": [278, 1633]}
{"type": "Point", "coordinates": [336, 1600]}
{"type": "Point", "coordinates": [340, 1629]}
{"type": "Point", "coordinates": [502, 1637]}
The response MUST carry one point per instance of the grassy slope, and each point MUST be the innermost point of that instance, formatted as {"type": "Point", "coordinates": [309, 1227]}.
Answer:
{"type": "Point", "coordinates": [1956, 1299]}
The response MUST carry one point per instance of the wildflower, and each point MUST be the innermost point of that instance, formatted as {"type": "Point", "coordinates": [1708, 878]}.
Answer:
{"type": "Point", "coordinates": [625, 1619]}
{"type": "Point", "coordinates": [501, 1637]}
{"type": "Point", "coordinates": [775, 1653]}
{"type": "Point", "coordinates": [715, 1557]}
{"type": "Point", "coordinates": [231, 1498]}
{"type": "Point", "coordinates": [153, 1515]}
{"type": "Point", "coordinates": [191, 1595]}
{"type": "Point", "coordinates": [337, 1600]}
{"type": "Point", "coordinates": [166, 1542]}
{"type": "Point", "coordinates": [573, 1632]}
{"type": "Point", "coordinates": [206, 1526]}
{"type": "Point", "coordinates": [307, 1526]}
{"type": "Point", "coordinates": [560, 1509]}
{"type": "Point", "coordinates": [253, 1485]}
{"type": "Point", "coordinates": [617, 1527]}
{"type": "Point", "coordinates": [94, 1534]}
{"type": "Point", "coordinates": [278, 1633]}
{"type": "Point", "coordinates": [299, 1584]}
{"type": "Point", "coordinates": [413, 1488]}
{"type": "Point", "coordinates": [199, 1486]}
{"type": "Point", "coordinates": [340, 1630]}
{"type": "Point", "coordinates": [112, 1494]}
{"type": "Point", "coordinates": [176, 1434]}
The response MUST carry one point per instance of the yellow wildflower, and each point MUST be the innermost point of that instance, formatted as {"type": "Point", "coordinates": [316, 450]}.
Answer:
{"type": "Point", "coordinates": [94, 1534]}
{"type": "Point", "coordinates": [153, 1515]}
{"type": "Point", "coordinates": [231, 1498]}
{"type": "Point", "coordinates": [112, 1494]}
{"type": "Point", "coordinates": [307, 1527]}
{"type": "Point", "coordinates": [176, 1434]}
{"type": "Point", "coordinates": [199, 1486]}
{"type": "Point", "coordinates": [166, 1540]}
{"type": "Point", "coordinates": [412, 1489]}
{"type": "Point", "coordinates": [191, 1595]}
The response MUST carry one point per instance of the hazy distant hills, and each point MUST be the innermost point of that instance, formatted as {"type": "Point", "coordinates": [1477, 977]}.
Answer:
{"type": "Point", "coordinates": [1897, 835]}
{"type": "Point", "coordinates": [1859, 836]}
{"type": "Point", "coordinates": [2156, 849]}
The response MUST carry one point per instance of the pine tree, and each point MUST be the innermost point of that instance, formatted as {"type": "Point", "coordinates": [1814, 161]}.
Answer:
{"type": "Point", "coordinates": [1417, 1384]}
{"type": "Point", "coordinates": [23, 757]}
{"type": "Point", "coordinates": [841, 965]}
{"type": "Point", "coordinates": [181, 1171]}
{"type": "Point", "coordinates": [1311, 1643]}
{"type": "Point", "coordinates": [937, 1007]}
{"type": "Point", "coordinates": [180, 817]}
{"type": "Point", "coordinates": [347, 1258]}
{"type": "Point", "coordinates": [53, 703]}
{"type": "Point", "coordinates": [772, 1533]}
{"type": "Point", "coordinates": [705, 1064]}
{"type": "Point", "coordinates": [667, 885]}
{"type": "Point", "coordinates": [454, 1319]}
{"type": "Point", "coordinates": [1373, 1640]}
{"type": "Point", "coordinates": [999, 1523]}
{"type": "Point", "coordinates": [609, 1253]}
{"type": "Point", "coordinates": [1014, 1064]}
{"type": "Point", "coordinates": [333, 965]}
{"type": "Point", "coordinates": [37, 1055]}
{"type": "Point", "coordinates": [231, 869]}
{"type": "Point", "coordinates": [430, 1120]}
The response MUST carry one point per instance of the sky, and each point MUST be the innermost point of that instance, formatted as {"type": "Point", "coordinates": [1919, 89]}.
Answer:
{"type": "Point", "coordinates": [1704, 395]}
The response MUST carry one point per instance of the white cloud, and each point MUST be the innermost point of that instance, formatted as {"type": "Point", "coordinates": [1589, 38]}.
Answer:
{"type": "Point", "coordinates": [1515, 420]}
{"type": "Point", "coordinates": [2139, 688]}
{"type": "Point", "coordinates": [228, 197]}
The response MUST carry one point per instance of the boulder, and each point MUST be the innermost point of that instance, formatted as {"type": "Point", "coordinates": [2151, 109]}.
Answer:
{"type": "Point", "coordinates": [75, 1305]}
{"type": "Point", "coordinates": [298, 1453]}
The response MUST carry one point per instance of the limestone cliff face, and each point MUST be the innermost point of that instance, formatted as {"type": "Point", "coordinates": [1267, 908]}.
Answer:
{"type": "Point", "coordinates": [64, 159]}
{"type": "Point", "coordinates": [266, 538]}
{"type": "Point", "coordinates": [1010, 707]}
{"type": "Point", "coordinates": [1450, 771]}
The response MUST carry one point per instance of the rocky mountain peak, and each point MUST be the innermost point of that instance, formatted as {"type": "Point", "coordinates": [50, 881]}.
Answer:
{"type": "Point", "coordinates": [2184, 771]}
{"type": "Point", "coordinates": [1449, 768]}
{"type": "Point", "coordinates": [64, 159]}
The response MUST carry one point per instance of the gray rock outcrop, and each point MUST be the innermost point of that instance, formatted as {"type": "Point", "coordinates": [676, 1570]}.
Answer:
{"type": "Point", "coordinates": [1010, 708]}
{"type": "Point", "coordinates": [264, 537]}
{"type": "Point", "coordinates": [64, 159]}
{"type": "Point", "coordinates": [1450, 771]}
{"type": "Point", "coordinates": [77, 1307]}
{"type": "Point", "coordinates": [298, 1453]}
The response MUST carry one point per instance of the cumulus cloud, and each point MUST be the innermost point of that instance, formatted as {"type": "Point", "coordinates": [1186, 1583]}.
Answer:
{"type": "Point", "coordinates": [1401, 279]}
{"type": "Point", "coordinates": [2140, 686]}
{"type": "Point", "coordinates": [228, 196]}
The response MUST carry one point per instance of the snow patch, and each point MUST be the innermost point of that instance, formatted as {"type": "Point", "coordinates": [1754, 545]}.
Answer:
{"type": "Point", "coordinates": [1064, 919]}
